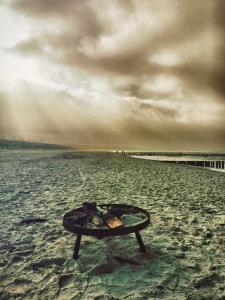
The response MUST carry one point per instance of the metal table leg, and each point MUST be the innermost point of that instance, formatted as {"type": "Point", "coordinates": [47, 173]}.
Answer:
{"type": "Point", "coordinates": [77, 247]}
{"type": "Point", "coordinates": [140, 241]}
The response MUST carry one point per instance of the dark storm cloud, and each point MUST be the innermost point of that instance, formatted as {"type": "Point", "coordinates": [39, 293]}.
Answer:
{"type": "Point", "coordinates": [46, 9]}
{"type": "Point", "coordinates": [188, 19]}
{"type": "Point", "coordinates": [169, 113]}
{"type": "Point", "coordinates": [120, 41]}
{"type": "Point", "coordinates": [218, 76]}
{"type": "Point", "coordinates": [69, 12]}
{"type": "Point", "coordinates": [28, 47]}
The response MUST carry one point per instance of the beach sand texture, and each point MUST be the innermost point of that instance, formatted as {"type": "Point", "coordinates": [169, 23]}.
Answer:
{"type": "Point", "coordinates": [185, 241]}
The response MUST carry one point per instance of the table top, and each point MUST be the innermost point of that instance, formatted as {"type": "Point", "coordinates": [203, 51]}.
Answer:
{"type": "Point", "coordinates": [74, 221]}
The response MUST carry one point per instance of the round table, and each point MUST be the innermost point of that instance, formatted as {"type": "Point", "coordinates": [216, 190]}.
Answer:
{"type": "Point", "coordinates": [75, 220]}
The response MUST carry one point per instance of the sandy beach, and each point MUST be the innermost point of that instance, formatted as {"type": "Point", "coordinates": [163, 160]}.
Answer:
{"type": "Point", "coordinates": [185, 241]}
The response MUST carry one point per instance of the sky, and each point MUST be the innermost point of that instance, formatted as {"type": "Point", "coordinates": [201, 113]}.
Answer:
{"type": "Point", "coordinates": [119, 74]}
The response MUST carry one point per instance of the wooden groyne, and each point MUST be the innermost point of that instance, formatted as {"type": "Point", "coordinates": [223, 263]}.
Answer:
{"type": "Point", "coordinates": [212, 160]}
{"type": "Point", "coordinates": [176, 154]}
{"type": "Point", "coordinates": [214, 164]}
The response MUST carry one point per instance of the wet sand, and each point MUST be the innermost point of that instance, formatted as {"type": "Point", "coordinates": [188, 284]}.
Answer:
{"type": "Point", "coordinates": [185, 241]}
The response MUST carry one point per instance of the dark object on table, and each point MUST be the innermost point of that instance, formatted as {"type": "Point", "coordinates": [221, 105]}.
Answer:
{"type": "Point", "coordinates": [74, 221]}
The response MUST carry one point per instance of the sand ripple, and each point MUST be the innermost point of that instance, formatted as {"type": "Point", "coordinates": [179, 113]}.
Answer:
{"type": "Point", "coordinates": [185, 257]}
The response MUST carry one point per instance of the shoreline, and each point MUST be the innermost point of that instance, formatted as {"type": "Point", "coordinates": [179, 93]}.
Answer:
{"type": "Point", "coordinates": [173, 159]}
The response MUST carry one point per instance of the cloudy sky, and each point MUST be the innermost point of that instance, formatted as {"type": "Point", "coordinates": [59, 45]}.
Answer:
{"type": "Point", "coordinates": [131, 74]}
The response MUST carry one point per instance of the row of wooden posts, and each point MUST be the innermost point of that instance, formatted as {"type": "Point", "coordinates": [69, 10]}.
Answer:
{"type": "Point", "coordinates": [215, 164]}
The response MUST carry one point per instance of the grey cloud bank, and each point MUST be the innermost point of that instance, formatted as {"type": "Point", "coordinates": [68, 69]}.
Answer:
{"type": "Point", "coordinates": [142, 74]}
